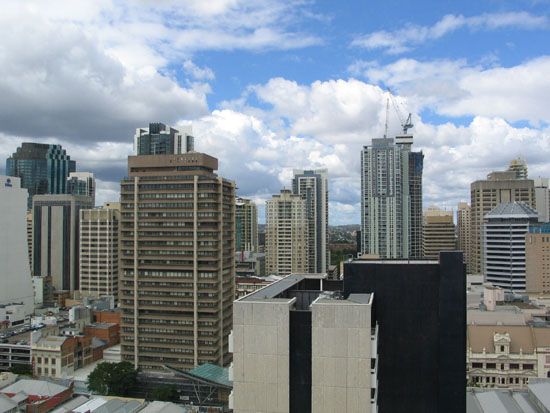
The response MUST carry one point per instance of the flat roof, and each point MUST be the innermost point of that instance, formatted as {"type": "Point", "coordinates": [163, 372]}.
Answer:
{"type": "Point", "coordinates": [278, 287]}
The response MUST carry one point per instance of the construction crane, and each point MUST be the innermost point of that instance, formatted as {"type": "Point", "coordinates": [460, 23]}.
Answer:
{"type": "Point", "coordinates": [407, 124]}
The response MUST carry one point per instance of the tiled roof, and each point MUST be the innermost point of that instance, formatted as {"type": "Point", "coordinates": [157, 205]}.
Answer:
{"type": "Point", "coordinates": [515, 209]}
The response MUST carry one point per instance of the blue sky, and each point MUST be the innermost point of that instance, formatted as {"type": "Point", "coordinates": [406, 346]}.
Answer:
{"type": "Point", "coordinates": [272, 85]}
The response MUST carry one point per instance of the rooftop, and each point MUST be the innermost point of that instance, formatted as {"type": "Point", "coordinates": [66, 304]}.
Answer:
{"type": "Point", "coordinates": [535, 400]}
{"type": "Point", "coordinates": [35, 388]}
{"type": "Point", "coordinates": [273, 290]}
{"type": "Point", "coordinates": [512, 210]}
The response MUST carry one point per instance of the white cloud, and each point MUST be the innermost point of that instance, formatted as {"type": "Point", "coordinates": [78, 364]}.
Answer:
{"type": "Point", "coordinates": [403, 40]}
{"type": "Point", "coordinates": [199, 73]}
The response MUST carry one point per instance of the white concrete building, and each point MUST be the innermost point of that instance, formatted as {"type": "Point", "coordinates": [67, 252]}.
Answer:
{"type": "Point", "coordinates": [16, 286]}
{"type": "Point", "coordinates": [273, 370]}
{"type": "Point", "coordinates": [542, 199]}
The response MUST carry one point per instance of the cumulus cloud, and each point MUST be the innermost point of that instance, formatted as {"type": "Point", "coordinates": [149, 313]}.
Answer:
{"type": "Point", "coordinates": [403, 40]}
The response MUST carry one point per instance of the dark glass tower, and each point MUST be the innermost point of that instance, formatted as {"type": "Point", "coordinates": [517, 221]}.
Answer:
{"type": "Point", "coordinates": [43, 168]}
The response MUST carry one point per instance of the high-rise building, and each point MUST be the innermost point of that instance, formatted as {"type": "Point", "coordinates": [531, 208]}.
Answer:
{"type": "Point", "coordinates": [43, 168]}
{"type": "Point", "coordinates": [504, 233]}
{"type": "Point", "coordinates": [56, 238]}
{"type": "Point", "coordinates": [14, 257]}
{"type": "Point", "coordinates": [463, 228]}
{"type": "Point", "coordinates": [81, 183]}
{"type": "Point", "coordinates": [305, 349]}
{"type": "Point", "coordinates": [246, 215]}
{"type": "Point", "coordinates": [177, 261]}
{"type": "Point", "coordinates": [542, 199]}
{"type": "Point", "coordinates": [438, 233]}
{"type": "Point", "coordinates": [391, 198]}
{"type": "Point", "coordinates": [537, 259]}
{"type": "Point", "coordinates": [287, 234]}
{"type": "Point", "coordinates": [519, 167]}
{"type": "Point", "coordinates": [420, 309]}
{"type": "Point", "coordinates": [159, 139]}
{"type": "Point", "coordinates": [312, 186]}
{"type": "Point", "coordinates": [498, 188]}
{"type": "Point", "coordinates": [29, 235]}
{"type": "Point", "coordinates": [99, 251]}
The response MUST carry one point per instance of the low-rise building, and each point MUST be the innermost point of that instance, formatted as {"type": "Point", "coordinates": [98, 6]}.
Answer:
{"type": "Point", "coordinates": [38, 396]}
{"type": "Point", "coordinates": [507, 356]}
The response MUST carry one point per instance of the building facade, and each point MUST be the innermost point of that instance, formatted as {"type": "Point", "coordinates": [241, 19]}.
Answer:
{"type": "Point", "coordinates": [537, 259]}
{"type": "Point", "coordinates": [498, 188]}
{"type": "Point", "coordinates": [312, 186]}
{"type": "Point", "coordinates": [246, 225]}
{"type": "Point", "coordinates": [56, 238]}
{"type": "Point", "coordinates": [504, 244]}
{"type": "Point", "coordinates": [159, 139]}
{"type": "Point", "coordinates": [43, 168]}
{"type": "Point", "coordinates": [463, 227]}
{"type": "Point", "coordinates": [519, 167]}
{"type": "Point", "coordinates": [177, 261]}
{"type": "Point", "coordinates": [298, 348]}
{"type": "Point", "coordinates": [287, 234]}
{"type": "Point", "coordinates": [14, 253]}
{"type": "Point", "coordinates": [438, 233]}
{"type": "Point", "coordinates": [99, 251]}
{"type": "Point", "coordinates": [81, 183]}
{"type": "Point", "coordinates": [391, 199]}
{"type": "Point", "coordinates": [542, 199]}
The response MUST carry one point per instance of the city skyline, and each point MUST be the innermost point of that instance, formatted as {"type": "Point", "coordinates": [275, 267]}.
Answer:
{"type": "Point", "coordinates": [292, 84]}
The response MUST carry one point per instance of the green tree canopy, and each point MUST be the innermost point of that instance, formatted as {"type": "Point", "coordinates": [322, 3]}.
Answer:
{"type": "Point", "coordinates": [113, 379]}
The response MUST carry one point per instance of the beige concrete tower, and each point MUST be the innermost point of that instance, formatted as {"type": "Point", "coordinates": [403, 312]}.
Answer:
{"type": "Point", "coordinates": [177, 261]}
{"type": "Point", "coordinates": [463, 228]}
{"type": "Point", "coordinates": [537, 259]}
{"type": "Point", "coordinates": [99, 251]}
{"type": "Point", "coordinates": [438, 233]}
{"type": "Point", "coordinates": [498, 188]}
{"type": "Point", "coordinates": [286, 238]}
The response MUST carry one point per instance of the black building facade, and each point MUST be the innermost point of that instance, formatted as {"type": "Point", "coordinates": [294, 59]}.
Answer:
{"type": "Point", "coordinates": [420, 307]}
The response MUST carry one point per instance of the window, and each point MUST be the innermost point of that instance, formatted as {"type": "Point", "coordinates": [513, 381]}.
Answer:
{"type": "Point", "coordinates": [514, 366]}
{"type": "Point", "coordinates": [502, 349]}
{"type": "Point", "coordinates": [528, 367]}
{"type": "Point", "coordinates": [477, 365]}
{"type": "Point", "coordinates": [491, 366]}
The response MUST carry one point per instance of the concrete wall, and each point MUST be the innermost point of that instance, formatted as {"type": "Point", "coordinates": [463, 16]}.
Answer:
{"type": "Point", "coordinates": [341, 356]}
{"type": "Point", "coordinates": [261, 356]}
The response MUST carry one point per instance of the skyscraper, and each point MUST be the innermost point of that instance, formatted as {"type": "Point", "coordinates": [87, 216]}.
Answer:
{"type": "Point", "coordinates": [391, 198]}
{"type": "Point", "coordinates": [43, 168]}
{"type": "Point", "coordinates": [504, 232]}
{"type": "Point", "coordinates": [438, 233]}
{"type": "Point", "coordinates": [159, 139]}
{"type": "Point", "coordinates": [81, 183]}
{"type": "Point", "coordinates": [14, 258]}
{"type": "Point", "coordinates": [498, 188]}
{"type": "Point", "coordinates": [287, 234]}
{"type": "Point", "coordinates": [312, 186]}
{"type": "Point", "coordinates": [99, 251]}
{"type": "Point", "coordinates": [537, 259]}
{"type": "Point", "coordinates": [463, 227]}
{"type": "Point", "coordinates": [56, 238]}
{"type": "Point", "coordinates": [177, 261]}
{"type": "Point", "coordinates": [246, 214]}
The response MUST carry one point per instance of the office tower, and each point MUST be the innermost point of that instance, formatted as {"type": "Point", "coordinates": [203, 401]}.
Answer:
{"type": "Point", "coordinates": [542, 199]}
{"type": "Point", "coordinates": [438, 233]}
{"type": "Point", "coordinates": [304, 349]}
{"type": "Point", "coordinates": [16, 284]}
{"type": "Point", "coordinates": [519, 167]}
{"type": "Point", "coordinates": [81, 183]}
{"type": "Point", "coordinates": [56, 238]}
{"type": "Point", "coordinates": [312, 186]}
{"type": "Point", "coordinates": [537, 259]}
{"type": "Point", "coordinates": [498, 188]}
{"type": "Point", "coordinates": [463, 227]}
{"type": "Point", "coordinates": [420, 309]}
{"type": "Point", "coordinates": [159, 139]}
{"type": "Point", "coordinates": [177, 261]}
{"type": "Point", "coordinates": [391, 198]}
{"type": "Point", "coordinates": [286, 236]}
{"type": "Point", "coordinates": [43, 168]}
{"type": "Point", "coordinates": [99, 251]}
{"type": "Point", "coordinates": [246, 215]}
{"type": "Point", "coordinates": [504, 233]}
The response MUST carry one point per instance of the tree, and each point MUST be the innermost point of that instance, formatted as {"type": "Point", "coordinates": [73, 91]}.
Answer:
{"type": "Point", "coordinates": [165, 393]}
{"type": "Point", "coordinates": [21, 369]}
{"type": "Point", "coordinates": [113, 379]}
